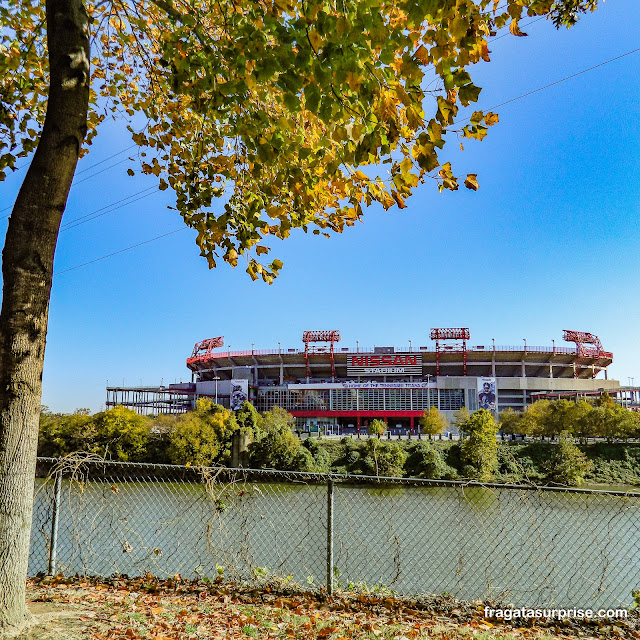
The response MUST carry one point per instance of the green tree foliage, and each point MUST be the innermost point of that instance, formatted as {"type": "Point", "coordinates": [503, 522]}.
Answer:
{"type": "Point", "coordinates": [426, 461]}
{"type": "Point", "coordinates": [509, 421]}
{"type": "Point", "coordinates": [385, 459]}
{"type": "Point", "coordinates": [377, 428]}
{"type": "Point", "coordinates": [274, 107]}
{"type": "Point", "coordinates": [568, 465]}
{"type": "Point", "coordinates": [567, 12]}
{"type": "Point", "coordinates": [119, 434]}
{"type": "Point", "coordinates": [61, 434]}
{"type": "Point", "coordinates": [116, 434]}
{"type": "Point", "coordinates": [279, 448]}
{"type": "Point", "coordinates": [534, 421]}
{"type": "Point", "coordinates": [460, 418]}
{"type": "Point", "coordinates": [610, 421]}
{"type": "Point", "coordinates": [249, 418]}
{"type": "Point", "coordinates": [602, 418]}
{"type": "Point", "coordinates": [580, 424]}
{"type": "Point", "coordinates": [201, 436]}
{"type": "Point", "coordinates": [560, 417]}
{"type": "Point", "coordinates": [432, 422]}
{"type": "Point", "coordinates": [479, 452]}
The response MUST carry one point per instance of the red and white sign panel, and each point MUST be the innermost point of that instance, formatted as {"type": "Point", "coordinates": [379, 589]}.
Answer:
{"type": "Point", "coordinates": [392, 364]}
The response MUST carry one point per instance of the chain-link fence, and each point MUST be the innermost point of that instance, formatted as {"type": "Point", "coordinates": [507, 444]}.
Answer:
{"type": "Point", "coordinates": [526, 546]}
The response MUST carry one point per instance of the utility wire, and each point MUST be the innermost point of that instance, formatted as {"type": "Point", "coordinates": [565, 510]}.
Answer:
{"type": "Point", "coordinates": [82, 219]}
{"type": "Point", "coordinates": [89, 217]}
{"type": "Point", "coordinates": [91, 166]}
{"type": "Point", "coordinates": [115, 253]}
{"type": "Point", "coordinates": [77, 182]}
{"type": "Point", "coordinates": [504, 35]}
{"type": "Point", "coordinates": [552, 84]}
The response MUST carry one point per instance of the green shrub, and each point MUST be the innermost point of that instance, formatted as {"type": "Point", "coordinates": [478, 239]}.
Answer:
{"type": "Point", "coordinates": [479, 452]}
{"type": "Point", "coordinates": [383, 458]}
{"type": "Point", "coordinates": [568, 465]}
{"type": "Point", "coordinates": [426, 461]}
{"type": "Point", "coordinates": [279, 447]}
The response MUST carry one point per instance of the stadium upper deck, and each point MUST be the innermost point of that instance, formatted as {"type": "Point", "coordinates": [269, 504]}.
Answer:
{"type": "Point", "coordinates": [326, 384]}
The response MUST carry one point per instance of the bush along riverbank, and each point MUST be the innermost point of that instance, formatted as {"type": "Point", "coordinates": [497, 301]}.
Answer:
{"type": "Point", "coordinates": [205, 436]}
{"type": "Point", "coordinates": [523, 462]}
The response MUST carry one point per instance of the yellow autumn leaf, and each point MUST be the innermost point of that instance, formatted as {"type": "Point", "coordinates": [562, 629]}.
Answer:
{"type": "Point", "coordinates": [315, 39]}
{"type": "Point", "coordinates": [515, 29]}
{"type": "Point", "coordinates": [471, 182]}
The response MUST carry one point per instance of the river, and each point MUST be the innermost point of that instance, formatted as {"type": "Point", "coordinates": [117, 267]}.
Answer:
{"type": "Point", "coordinates": [523, 547]}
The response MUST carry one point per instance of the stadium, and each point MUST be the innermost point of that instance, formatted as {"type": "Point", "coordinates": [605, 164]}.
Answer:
{"type": "Point", "coordinates": [341, 389]}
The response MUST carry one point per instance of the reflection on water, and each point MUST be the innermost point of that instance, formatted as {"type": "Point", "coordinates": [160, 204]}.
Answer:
{"type": "Point", "coordinates": [525, 547]}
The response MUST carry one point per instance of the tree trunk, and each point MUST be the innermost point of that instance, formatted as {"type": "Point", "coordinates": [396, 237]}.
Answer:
{"type": "Point", "coordinates": [27, 269]}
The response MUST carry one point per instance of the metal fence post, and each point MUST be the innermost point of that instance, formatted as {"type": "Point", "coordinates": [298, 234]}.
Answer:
{"type": "Point", "coordinates": [53, 549]}
{"type": "Point", "coordinates": [330, 537]}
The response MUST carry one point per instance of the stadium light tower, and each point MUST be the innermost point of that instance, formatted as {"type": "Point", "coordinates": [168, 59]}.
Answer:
{"type": "Point", "coordinates": [331, 336]}
{"type": "Point", "coordinates": [458, 334]}
{"type": "Point", "coordinates": [202, 350]}
{"type": "Point", "coordinates": [582, 338]}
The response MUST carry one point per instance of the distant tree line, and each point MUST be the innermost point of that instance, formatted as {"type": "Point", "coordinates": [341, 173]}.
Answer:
{"type": "Point", "coordinates": [200, 437]}
{"type": "Point", "coordinates": [601, 418]}
{"type": "Point", "coordinates": [204, 437]}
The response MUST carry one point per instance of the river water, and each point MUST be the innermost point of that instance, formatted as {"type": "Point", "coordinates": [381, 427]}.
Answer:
{"type": "Point", "coordinates": [523, 547]}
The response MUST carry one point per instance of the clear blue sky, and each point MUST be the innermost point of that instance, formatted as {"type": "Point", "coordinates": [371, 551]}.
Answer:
{"type": "Point", "coordinates": [549, 242]}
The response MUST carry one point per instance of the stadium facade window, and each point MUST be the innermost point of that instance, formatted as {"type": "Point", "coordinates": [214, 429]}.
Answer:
{"type": "Point", "coordinates": [451, 399]}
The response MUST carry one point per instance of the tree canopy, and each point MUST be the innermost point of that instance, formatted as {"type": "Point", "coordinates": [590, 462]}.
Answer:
{"type": "Point", "coordinates": [272, 107]}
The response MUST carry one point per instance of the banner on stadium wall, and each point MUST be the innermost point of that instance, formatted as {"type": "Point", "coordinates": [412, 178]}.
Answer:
{"type": "Point", "coordinates": [487, 394]}
{"type": "Point", "coordinates": [390, 364]}
{"type": "Point", "coordinates": [239, 394]}
{"type": "Point", "coordinates": [362, 385]}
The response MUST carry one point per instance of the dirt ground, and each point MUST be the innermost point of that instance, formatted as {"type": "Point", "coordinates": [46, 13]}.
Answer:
{"type": "Point", "coordinates": [127, 609]}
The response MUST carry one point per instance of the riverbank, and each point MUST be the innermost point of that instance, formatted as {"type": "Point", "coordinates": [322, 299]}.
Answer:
{"type": "Point", "coordinates": [615, 465]}
{"type": "Point", "coordinates": [128, 609]}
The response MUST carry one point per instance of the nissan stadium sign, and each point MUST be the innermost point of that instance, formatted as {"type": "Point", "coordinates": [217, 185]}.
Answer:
{"type": "Point", "coordinates": [392, 364]}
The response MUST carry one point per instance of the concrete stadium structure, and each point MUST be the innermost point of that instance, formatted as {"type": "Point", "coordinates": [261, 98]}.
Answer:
{"type": "Point", "coordinates": [323, 384]}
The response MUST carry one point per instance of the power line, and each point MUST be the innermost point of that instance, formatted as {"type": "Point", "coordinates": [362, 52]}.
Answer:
{"type": "Point", "coordinates": [117, 153]}
{"type": "Point", "coordinates": [115, 253]}
{"type": "Point", "coordinates": [504, 35]}
{"type": "Point", "coordinates": [93, 175]}
{"type": "Point", "coordinates": [92, 166]}
{"type": "Point", "coordinates": [110, 208]}
{"type": "Point", "coordinates": [77, 182]}
{"type": "Point", "coordinates": [574, 75]}
{"type": "Point", "coordinates": [82, 219]}
{"type": "Point", "coordinates": [553, 84]}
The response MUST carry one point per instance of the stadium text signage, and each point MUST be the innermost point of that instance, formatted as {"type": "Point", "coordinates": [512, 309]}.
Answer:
{"type": "Point", "coordinates": [370, 384]}
{"type": "Point", "coordinates": [391, 364]}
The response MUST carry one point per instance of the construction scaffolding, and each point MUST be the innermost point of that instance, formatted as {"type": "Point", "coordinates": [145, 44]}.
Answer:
{"type": "Point", "coordinates": [152, 400]}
